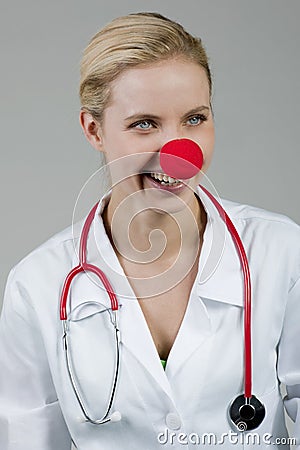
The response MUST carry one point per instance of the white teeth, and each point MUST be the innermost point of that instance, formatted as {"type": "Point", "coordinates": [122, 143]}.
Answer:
{"type": "Point", "coordinates": [165, 179]}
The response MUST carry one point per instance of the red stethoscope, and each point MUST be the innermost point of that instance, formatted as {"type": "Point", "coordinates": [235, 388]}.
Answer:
{"type": "Point", "coordinates": [180, 159]}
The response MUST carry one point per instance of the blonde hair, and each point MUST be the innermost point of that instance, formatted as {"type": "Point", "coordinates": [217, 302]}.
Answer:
{"type": "Point", "coordinates": [130, 41]}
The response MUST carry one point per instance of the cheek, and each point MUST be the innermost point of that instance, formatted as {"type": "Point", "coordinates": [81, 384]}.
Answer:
{"type": "Point", "coordinates": [128, 156]}
{"type": "Point", "coordinates": [207, 145]}
{"type": "Point", "coordinates": [124, 143]}
{"type": "Point", "coordinates": [207, 162]}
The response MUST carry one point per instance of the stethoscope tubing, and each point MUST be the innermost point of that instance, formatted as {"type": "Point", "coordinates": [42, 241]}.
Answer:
{"type": "Point", "coordinates": [105, 418]}
{"type": "Point", "coordinates": [83, 266]}
{"type": "Point", "coordinates": [247, 294]}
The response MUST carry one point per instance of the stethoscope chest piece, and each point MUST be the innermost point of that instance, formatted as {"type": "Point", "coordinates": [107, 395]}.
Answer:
{"type": "Point", "coordinates": [246, 414]}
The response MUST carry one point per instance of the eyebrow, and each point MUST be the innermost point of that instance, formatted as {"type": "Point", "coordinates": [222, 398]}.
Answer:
{"type": "Point", "coordinates": [197, 110]}
{"type": "Point", "coordinates": [143, 115]}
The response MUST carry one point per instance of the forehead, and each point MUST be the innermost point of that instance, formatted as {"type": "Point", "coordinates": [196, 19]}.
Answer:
{"type": "Point", "coordinates": [167, 84]}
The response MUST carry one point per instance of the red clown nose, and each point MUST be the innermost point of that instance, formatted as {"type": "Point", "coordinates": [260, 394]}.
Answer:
{"type": "Point", "coordinates": [181, 158]}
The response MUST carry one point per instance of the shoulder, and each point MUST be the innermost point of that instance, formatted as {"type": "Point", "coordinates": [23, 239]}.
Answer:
{"type": "Point", "coordinates": [259, 217]}
{"type": "Point", "coordinates": [268, 233]}
{"type": "Point", "coordinates": [59, 251]}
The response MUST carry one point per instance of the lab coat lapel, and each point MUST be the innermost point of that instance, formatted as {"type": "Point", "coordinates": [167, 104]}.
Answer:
{"type": "Point", "coordinates": [137, 338]}
{"type": "Point", "coordinates": [220, 276]}
{"type": "Point", "coordinates": [193, 333]}
{"type": "Point", "coordinates": [219, 279]}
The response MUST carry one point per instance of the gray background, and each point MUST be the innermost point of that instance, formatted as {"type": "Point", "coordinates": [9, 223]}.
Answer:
{"type": "Point", "coordinates": [254, 53]}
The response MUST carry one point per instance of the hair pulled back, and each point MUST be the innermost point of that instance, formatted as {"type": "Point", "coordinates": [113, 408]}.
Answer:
{"type": "Point", "coordinates": [129, 41]}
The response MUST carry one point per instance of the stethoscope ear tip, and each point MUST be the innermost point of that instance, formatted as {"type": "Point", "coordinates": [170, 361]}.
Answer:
{"type": "Point", "coordinates": [116, 416]}
{"type": "Point", "coordinates": [246, 414]}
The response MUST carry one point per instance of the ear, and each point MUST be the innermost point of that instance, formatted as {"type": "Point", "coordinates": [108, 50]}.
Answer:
{"type": "Point", "coordinates": [91, 129]}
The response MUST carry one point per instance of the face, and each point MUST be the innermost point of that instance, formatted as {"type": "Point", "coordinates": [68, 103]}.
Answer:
{"type": "Point", "coordinates": [150, 106]}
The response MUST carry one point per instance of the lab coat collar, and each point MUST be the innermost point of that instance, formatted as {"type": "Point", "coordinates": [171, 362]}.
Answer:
{"type": "Point", "coordinates": [220, 277]}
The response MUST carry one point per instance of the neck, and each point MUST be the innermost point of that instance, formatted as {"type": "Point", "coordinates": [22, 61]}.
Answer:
{"type": "Point", "coordinates": [149, 235]}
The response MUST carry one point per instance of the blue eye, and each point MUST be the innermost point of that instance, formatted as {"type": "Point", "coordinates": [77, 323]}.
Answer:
{"type": "Point", "coordinates": [195, 120]}
{"type": "Point", "coordinates": [143, 125]}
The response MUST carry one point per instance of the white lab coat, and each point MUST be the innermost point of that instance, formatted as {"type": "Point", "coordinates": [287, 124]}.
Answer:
{"type": "Point", "coordinates": [160, 409]}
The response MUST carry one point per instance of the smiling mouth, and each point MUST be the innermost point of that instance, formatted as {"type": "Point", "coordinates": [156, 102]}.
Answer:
{"type": "Point", "coordinates": [163, 179]}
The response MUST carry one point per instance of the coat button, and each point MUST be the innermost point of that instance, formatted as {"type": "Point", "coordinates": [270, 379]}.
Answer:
{"type": "Point", "coordinates": [173, 421]}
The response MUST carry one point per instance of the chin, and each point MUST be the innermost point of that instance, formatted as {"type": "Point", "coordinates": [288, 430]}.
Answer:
{"type": "Point", "coordinates": [165, 202]}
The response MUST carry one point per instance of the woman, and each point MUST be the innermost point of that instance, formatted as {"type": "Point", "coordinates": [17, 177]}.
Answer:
{"type": "Point", "coordinates": [173, 266]}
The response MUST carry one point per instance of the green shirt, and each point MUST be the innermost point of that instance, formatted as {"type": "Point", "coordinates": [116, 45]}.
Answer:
{"type": "Point", "coordinates": [164, 362]}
